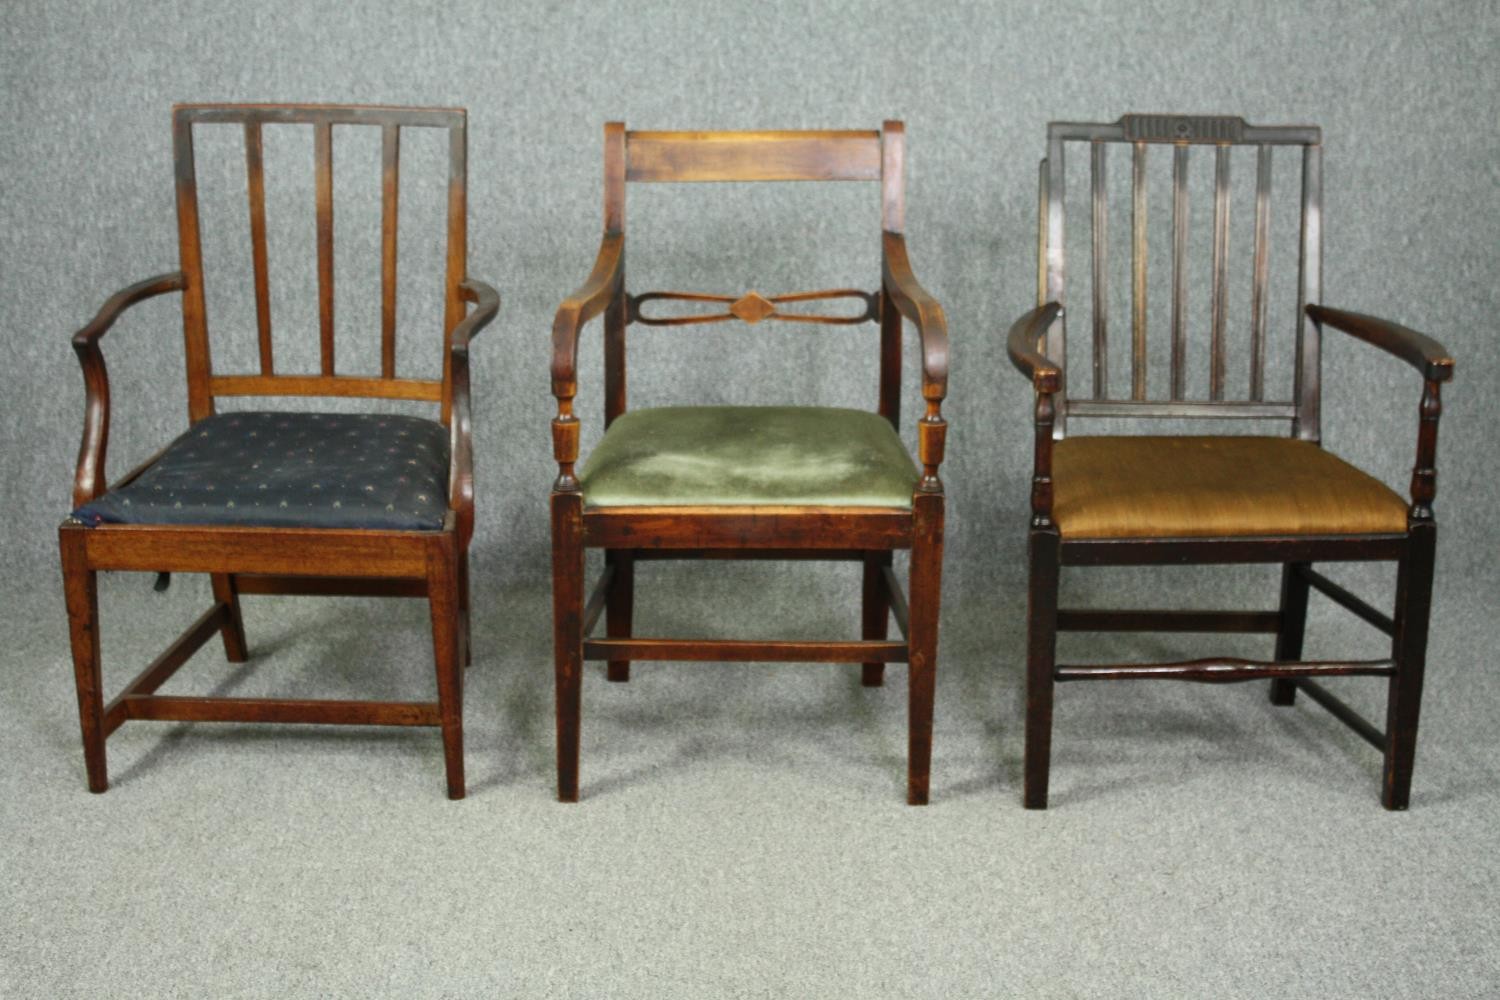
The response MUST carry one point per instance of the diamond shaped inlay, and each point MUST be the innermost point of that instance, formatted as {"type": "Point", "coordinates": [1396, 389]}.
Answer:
{"type": "Point", "coordinates": [753, 307]}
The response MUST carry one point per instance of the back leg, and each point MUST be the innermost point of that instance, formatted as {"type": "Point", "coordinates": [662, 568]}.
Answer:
{"type": "Point", "coordinates": [619, 608]}
{"type": "Point", "coordinates": [227, 593]}
{"type": "Point", "coordinates": [1293, 628]}
{"type": "Point", "coordinates": [875, 612]}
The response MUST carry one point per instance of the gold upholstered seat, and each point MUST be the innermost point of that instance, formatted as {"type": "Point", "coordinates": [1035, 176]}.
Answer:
{"type": "Point", "coordinates": [1196, 487]}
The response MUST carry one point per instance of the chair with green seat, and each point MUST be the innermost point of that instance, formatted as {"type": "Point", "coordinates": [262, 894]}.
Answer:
{"type": "Point", "coordinates": [788, 482]}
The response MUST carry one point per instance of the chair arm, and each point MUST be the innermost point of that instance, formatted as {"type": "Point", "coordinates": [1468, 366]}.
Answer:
{"type": "Point", "coordinates": [1426, 356]}
{"type": "Point", "coordinates": [1023, 343]}
{"type": "Point", "coordinates": [917, 305]}
{"type": "Point", "coordinates": [595, 295]}
{"type": "Point", "coordinates": [1416, 349]}
{"type": "Point", "coordinates": [460, 422]}
{"type": "Point", "coordinates": [88, 478]}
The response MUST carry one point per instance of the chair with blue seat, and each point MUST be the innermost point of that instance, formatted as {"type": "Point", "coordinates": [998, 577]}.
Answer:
{"type": "Point", "coordinates": [761, 482]}
{"type": "Point", "coordinates": [288, 502]}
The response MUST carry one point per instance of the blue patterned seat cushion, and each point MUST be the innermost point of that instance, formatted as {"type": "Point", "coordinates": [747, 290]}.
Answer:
{"type": "Point", "coordinates": [302, 470]}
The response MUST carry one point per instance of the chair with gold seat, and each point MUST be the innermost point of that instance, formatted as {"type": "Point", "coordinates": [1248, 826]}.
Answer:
{"type": "Point", "coordinates": [777, 482]}
{"type": "Point", "coordinates": [1212, 499]}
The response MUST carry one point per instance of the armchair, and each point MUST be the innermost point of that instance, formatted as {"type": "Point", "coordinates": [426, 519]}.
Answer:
{"type": "Point", "coordinates": [278, 502]}
{"type": "Point", "coordinates": [1213, 499]}
{"type": "Point", "coordinates": [705, 482]}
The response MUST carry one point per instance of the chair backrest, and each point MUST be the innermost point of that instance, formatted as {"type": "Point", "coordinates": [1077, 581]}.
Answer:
{"type": "Point", "coordinates": [203, 384]}
{"type": "Point", "coordinates": [1171, 396]}
{"type": "Point", "coordinates": [691, 157]}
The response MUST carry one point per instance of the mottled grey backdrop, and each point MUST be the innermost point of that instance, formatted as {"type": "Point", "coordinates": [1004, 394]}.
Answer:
{"type": "Point", "coordinates": [1407, 96]}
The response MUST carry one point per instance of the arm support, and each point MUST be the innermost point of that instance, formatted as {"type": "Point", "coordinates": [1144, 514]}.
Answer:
{"type": "Point", "coordinates": [914, 303]}
{"type": "Point", "coordinates": [1024, 342]}
{"type": "Point", "coordinates": [1426, 356]}
{"type": "Point", "coordinates": [460, 424]}
{"type": "Point", "coordinates": [89, 479]}
{"type": "Point", "coordinates": [1416, 349]}
{"type": "Point", "coordinates": [604, 283]}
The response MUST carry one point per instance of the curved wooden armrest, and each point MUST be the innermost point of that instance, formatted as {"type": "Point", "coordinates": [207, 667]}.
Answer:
{"type": "Point", "coordinates": [604, 283]}
{"type": "Point", "coordinates": [916, 304]}
{"type": "Point", "coordinates": [88, 478]}
{"type": "Point", "coordinates": [460, 423]}
{"type": "Point", "coordinates": [172, 281]}
{"type": "Point", "coordinates": [487, 303]}
{"type": "Point", "coordinates": [1416, 349]}
{"type": "Point", "coordinates": [1023, 343]}
{"type": "Point", "coordinates": [580, 307]}
{"type": "Point", "coordinates": [1426, 356]}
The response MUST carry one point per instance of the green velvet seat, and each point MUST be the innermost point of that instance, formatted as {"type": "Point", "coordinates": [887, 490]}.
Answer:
{"type": "Point", "coordinates": [686, 456]}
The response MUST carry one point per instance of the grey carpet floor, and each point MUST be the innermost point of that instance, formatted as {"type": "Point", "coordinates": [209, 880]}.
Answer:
{"type": "Point", "coordinates": [742, 831]}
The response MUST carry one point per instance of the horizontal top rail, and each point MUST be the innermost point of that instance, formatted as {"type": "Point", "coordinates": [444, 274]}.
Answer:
{"type": "Point", "coordinates": [753, 156]}
{"type": "Point", "coordinates": [1188, 129]}
{"type": "Point", "coordinates": [320, 114]}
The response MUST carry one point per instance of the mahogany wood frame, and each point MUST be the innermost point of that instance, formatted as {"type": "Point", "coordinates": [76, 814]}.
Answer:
{"type": "Point", "coordinates": [246, 560]}
{"type": "Point", "coordinates": [862, 534]}
{"type": "Point", "coordinates": [1037, 348]}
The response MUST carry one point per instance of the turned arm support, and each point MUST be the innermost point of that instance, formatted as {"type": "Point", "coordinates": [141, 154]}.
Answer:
{"type": "Point", "coordinates": [603, 284]}
{"type": "Point", "coordinates": [486, 302]}
{"type": "Point", "coordinates": [89, 479]}
{"type": "Point", "coordinates": [1436, 366]}
{"type": "Point", "coordinates": [915, 304]}
{"type": "Point", "coordinates": [1024, 345]}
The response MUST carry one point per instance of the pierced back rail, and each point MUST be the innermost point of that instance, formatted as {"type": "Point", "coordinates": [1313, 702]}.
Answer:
{"type": "Point", "coordinates": [706, 157]}
{"type": "Point", "coordinates": [203, 384]}
{"type": "Point", "coordinates": [1182, 133]}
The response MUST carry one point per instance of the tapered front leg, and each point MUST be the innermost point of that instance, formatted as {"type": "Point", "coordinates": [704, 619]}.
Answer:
{"type": "Point", "coordinates": [80, 589]}
{"type": "Point", "coordinates": [567, 634]}
{"type": "Point", "coordinates": [619, 608]}
{"type": "Point", "coordinates": [1293, 628]}
{"type": "Point", "coordinates": [1041, 655]}
{"type": "Point", "coordinates": [227, 593]}
{"type": "Point", "coordinates": [922, 640]}
{"type": "Point", "coordinates": [875, 608]}
{"type": "Point", "coordinates": [443, 599]}
{"type": "Point", "coordinates": [1409, 650]}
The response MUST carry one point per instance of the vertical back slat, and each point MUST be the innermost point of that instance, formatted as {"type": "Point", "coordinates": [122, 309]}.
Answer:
{"type": "Point", "coordinates": [194, 318]}
{"type": "Point", "coordinates": [1219, 305]}
{"type": "Point", "coordinates": [323, 166]}
{"type": "Point", "coordinates": [458, 248]}
{"type": "Point", "coordinates": [1309, 290]}
{"type": "Point", "coordinates": [1179, 270]}
{"type": "Point", "coordinates": [1138, 272]}
{"type": "Point", "coordinates": [390, 187]}
{"type": "Point", "coordinates": [1057, 336]}
{"type": "Point", "coordinates": [1041, 234]}
{"type": "Point", "coordinates": [1262, 273]}
{"type": "Point", "coordinates": [255, 172]}
{"type": "Point", "coordinates": [1100, 232]}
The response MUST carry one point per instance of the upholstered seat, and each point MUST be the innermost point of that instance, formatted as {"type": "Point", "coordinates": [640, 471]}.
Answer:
{"type": "Point", "coordinates": [1187, 487]}
{"type": "Point", "coordinates": [291, 470]}
{"type": "Point", "coordinates": [728, 455]}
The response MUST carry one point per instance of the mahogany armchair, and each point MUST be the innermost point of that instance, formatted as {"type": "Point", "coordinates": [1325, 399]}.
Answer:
{"type": "Point", "coordinates": [1212, 499]}
{"type": "Point", "coordinates": [706, 482]}
{"type": "Point", "coordinates": [279, 502]}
